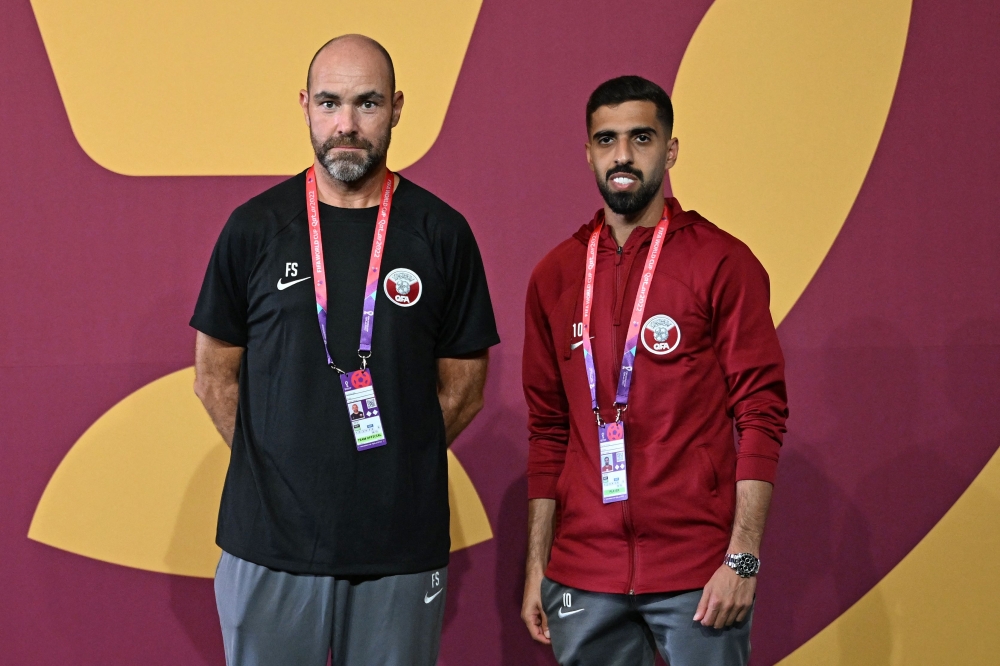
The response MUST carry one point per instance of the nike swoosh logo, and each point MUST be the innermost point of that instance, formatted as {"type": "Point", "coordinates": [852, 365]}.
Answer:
{"type": "Point", "coordinates": [564, 613]}
{"type": "Point", "coordinates": [577, 344]}
{"type": "Point", "coordinates": [429, 599]}
{"type": "Point", "coordinates": [285, 285]}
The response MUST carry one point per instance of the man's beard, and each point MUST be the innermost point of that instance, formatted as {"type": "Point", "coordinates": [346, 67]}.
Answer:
{"type": "Point", "coordinates": [350, 167]}
{"type": "Point", "coordinates": [629, 203]}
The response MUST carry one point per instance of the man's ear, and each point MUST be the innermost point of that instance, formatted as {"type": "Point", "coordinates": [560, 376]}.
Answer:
{"type": "Point", "coordinates": [673, 147]}
{"type": "Point", "coordinates": [590, 159]}
{"type": "Point", "coordinates": [304, 103]}
{"type": "Point", "coordinates": [397, 106]}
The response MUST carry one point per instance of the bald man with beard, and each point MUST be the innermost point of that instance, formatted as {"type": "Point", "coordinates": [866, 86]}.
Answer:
{"type": "Point", "coordinates": [335, 528]}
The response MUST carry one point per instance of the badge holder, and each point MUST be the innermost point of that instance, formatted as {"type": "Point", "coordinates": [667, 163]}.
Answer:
{"type": "Point", "coordinates": [614, 478]}
{"type": "Point", "coordinates": [366, 421]}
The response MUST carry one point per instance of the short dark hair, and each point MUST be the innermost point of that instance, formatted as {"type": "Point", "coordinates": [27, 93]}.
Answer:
{"type": "Point", "coordinates": [632, 89]}
{"type": "Point", "coordinates": [378, 47]}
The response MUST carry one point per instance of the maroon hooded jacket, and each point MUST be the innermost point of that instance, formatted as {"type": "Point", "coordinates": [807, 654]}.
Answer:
{"type": "Point", "coordinates": [726, 367]}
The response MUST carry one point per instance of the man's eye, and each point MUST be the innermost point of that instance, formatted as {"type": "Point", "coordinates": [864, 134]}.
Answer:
{"type": "Point", "coordinates": [642, 138]}
{"type": "Point", "coordinates": [326, 105]}
{"type": "Point", "coordinates": [605, 140]}
{"type": "Point", "coordinates": [368, 106]}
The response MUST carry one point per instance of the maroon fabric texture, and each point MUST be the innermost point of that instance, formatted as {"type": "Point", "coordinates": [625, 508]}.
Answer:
{"type": "Point", "coordinates": [673, 530]}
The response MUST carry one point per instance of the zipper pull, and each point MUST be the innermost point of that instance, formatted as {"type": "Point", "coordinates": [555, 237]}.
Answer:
{"type": "Point", "coordinates": [619, 249]}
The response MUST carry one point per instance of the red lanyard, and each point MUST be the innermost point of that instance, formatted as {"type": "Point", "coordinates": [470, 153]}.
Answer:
{"type": "Point", "coordinates": [635, 325]}
{"type": "Point", "coordinates": [374, 265]}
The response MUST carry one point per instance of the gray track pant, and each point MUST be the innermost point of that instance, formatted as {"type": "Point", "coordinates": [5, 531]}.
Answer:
{"type": "Point", "coordinates": [595, 629]}
{"type": "Point", "coordinates": [271, 618]}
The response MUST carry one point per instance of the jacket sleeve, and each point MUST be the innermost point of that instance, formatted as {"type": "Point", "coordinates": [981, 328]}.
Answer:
{"type": "Point", "coordinates": [548, 409]}
{"type": "Point", "coordinates": [747, 347]}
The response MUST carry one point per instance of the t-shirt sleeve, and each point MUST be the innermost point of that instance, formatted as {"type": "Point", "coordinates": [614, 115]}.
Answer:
{"type": "Point", "coordinates": [468, 325]}
{"type": "Point", "coordinates": [221, 311]}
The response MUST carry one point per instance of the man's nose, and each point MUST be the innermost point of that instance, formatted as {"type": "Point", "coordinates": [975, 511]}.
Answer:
{"type": "Point", "coordinates": [347, 122]}
{"type": "Point", "coordinates": [623, 153]}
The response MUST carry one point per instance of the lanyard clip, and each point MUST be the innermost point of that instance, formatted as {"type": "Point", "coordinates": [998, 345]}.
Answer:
{"type": "Point", "coordinates": [364, 358]}
{"type": "Point", "coordinates": [597, 415]}
{"type": "Point", "coordinates": [620, 410]}
{"type": "Point", "coordinates": [333, 366]}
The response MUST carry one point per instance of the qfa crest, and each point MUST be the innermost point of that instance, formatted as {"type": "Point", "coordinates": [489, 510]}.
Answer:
{"type": "Point", "coordinates": [660, 334]}
{"type": "Point", "coordinates": [403, 287]}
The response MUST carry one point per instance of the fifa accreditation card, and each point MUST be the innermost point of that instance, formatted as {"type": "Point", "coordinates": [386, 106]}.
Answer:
{"type": "Point", "coordinates": [363, 409]}
{"type": "Point", "coordinates": [614, 483]}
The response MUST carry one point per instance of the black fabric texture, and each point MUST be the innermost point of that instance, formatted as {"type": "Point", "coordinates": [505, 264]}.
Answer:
{"type": "Point", "coordinates": [299, 496]}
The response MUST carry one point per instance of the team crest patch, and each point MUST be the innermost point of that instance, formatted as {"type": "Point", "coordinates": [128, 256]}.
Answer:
{"type": "Point", "coordinates": [660, 334]}
{"type": "Point", "coordinates": [403, 287]}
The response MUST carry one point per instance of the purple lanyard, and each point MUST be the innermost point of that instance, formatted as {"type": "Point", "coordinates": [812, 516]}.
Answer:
{"type": "Point", "coordinates": [642, 295]}
{"type": "Point", "coordinates": [374, 266]}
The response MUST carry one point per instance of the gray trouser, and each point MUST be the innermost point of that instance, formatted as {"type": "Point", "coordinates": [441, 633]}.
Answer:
{"type": "Point", "coordinates": [596, 629]}
{"type": "Point", "coordinates": [272, 618]}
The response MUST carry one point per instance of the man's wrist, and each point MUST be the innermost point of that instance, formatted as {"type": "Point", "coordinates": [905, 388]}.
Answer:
{"type": "Point", "coordinates": [744, 545]}
{"type": "Point", "coordinates": [534, 571]}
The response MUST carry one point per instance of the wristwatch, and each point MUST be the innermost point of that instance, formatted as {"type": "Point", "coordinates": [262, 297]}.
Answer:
{"type": "Point", "coordinates": [744, 564]}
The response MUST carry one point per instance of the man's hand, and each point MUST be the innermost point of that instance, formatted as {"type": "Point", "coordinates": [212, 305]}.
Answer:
{"type": "Point", "coordinates": [541, 521]}
{"type": "Point", "coordinates": [532, 611]}
{"type": "Point", "coordinates": [726, 599]}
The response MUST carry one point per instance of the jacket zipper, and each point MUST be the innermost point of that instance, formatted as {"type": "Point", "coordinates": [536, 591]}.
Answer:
{"type": "Point", "coordinates": [626, 516]}
{"type": "Point", "coordinates": [630, 536]}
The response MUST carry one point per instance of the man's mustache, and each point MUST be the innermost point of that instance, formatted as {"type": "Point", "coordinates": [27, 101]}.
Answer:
{"type": "Point", "coordinates": [345, 142]}
{"type": "Point", "coordinates": [623, 168]}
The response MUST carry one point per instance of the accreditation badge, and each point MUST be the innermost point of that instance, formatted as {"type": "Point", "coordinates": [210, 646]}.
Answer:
{"type": "Point", "coordinates": [363, 409]}
{"type": "Point", "coordinates": [614, 483]}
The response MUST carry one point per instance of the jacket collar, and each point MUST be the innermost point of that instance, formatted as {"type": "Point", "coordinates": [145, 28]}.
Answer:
{"type": "Point", "coordinates": [679, 218]}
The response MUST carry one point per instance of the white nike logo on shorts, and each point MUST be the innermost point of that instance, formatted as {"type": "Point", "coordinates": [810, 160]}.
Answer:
{"type": "Point", "coordinates": [429, 599]}
{"type": "Point", "coordinates": [564, 613]}
{"type": "Point", "coordinates": [286, 285]}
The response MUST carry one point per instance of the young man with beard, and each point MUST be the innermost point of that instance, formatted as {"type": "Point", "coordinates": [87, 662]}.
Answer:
{"type": "Point", "coordinates": [344, 285]}
{"type": "Point", "coordinates": [647, 337]}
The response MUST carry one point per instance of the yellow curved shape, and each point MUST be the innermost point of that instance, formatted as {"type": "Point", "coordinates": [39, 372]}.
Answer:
{"type": "Point", "coordinates": [780, 105]}
{"type": "Point", "coordinates": [937, 606]}
{"type": "Point", "coordinates": [141, 487]}
{"type": "Point", "coordinates": [187, 87]}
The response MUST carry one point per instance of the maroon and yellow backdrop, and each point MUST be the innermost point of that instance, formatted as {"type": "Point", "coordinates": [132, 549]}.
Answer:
{"type": "Point", "coordinates": [853, 145]}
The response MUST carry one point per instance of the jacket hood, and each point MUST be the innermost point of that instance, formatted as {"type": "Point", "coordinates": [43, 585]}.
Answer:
{"type": "Point", "coordinates": [679, 218]}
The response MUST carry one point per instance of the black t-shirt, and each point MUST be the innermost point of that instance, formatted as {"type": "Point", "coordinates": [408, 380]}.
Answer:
{"type": "Point", "coordinates": [299, 496]}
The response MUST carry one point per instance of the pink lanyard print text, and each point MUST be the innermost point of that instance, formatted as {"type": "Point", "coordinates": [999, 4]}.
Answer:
{"type": "Point", "coordinates": [374, 266]}
{"type": "Point", "coordinates": [635, 325]}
